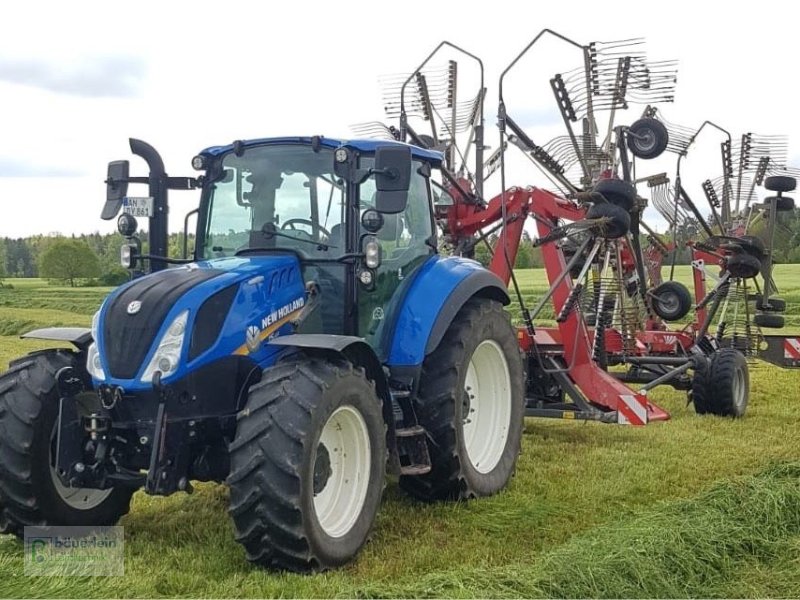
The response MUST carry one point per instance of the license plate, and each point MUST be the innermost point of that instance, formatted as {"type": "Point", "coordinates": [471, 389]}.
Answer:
{"type": "Point", "coordinates": [138, 206]}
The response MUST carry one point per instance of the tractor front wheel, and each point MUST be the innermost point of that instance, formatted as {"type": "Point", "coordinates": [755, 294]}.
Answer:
{"type": "Point", "coordinates": [307, 465]}
{"type": "Point", "coordinates": [30, 489]}
{"type": "Point", "coordinates": [471, 401]}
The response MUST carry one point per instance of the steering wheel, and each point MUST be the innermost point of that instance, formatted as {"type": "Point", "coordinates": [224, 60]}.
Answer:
{"type": "Point", "coordinates": [291, 222]}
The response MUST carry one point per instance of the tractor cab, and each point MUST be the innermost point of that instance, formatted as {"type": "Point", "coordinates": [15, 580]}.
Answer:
{"type": "Point", "coordinates": [357, 216]}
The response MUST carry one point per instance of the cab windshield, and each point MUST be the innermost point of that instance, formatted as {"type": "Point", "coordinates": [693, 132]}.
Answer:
{"type": "Point", "coordinates": [276, 197]}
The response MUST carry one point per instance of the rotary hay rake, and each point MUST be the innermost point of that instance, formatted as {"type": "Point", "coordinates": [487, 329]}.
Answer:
{"type": "Point", "coordinates": [607, 291]}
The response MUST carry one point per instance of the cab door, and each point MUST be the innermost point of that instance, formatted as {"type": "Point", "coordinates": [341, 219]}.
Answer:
{"type": "Point", "coordinates": [407, 240]}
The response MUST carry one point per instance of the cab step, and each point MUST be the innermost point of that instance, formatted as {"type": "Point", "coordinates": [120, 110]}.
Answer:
{"type": "Point", "coordinates": [412, 446]}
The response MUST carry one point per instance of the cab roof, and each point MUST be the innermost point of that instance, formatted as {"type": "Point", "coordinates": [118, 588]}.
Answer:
{"type": "Point", "coordinates": [361, 145]}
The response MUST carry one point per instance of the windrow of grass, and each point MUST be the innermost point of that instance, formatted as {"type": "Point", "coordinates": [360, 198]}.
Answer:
{"type": "Point", "coordinates": [74, 300]}
{"type": "Point", "coordinates": [707, 546]}
{"type": "Point", "coordinates": [741, 538]}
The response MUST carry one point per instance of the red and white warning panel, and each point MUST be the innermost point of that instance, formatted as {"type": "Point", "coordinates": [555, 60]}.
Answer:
{"type": "Point", "coordinates": [791, 348]}
{"type": "Point", "coordinates": [781, 350]}
{"type": "Point", "coordinates": [632, 410]}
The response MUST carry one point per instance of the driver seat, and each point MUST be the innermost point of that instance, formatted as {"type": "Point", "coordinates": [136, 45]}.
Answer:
{"type": "Point", "coordinates": [336, 239]}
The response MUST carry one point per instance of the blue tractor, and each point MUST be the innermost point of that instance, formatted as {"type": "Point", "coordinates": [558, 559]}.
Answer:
{"type": "Point", "coordinates": [314, 340]}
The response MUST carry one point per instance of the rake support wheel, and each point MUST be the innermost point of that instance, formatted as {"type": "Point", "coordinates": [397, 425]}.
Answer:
{"type": "Point", "coordinates": [769, 321]}
{"type": "Point", "coordinates": [617, 221]}
{"type": "Point", "coordinates": [780, 183]}
{"type": "Point", "coordinates": [722, 386]}
{"type": "Point", "coordinates": [618, 192]}
{"type": "Point", "coordinates": [743, 266]}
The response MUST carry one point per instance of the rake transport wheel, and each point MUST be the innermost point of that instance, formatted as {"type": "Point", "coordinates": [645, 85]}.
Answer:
{"type": "Point", "coordinates": [647, 138]}
{"type": "Point", "coordinates": [471, 401]}
{"type": "Point", "coordinates": [307, 465]}
{"type": "Point", "coordinates": [30, 491]}
{"type": "Point", "coordinates": [723, 386]}
{"type": "Point", "coordinates": [671, 300]}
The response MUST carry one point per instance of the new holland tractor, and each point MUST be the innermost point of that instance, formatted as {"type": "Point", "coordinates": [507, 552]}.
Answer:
{"type": "Point", "coordinates": [314, 340]}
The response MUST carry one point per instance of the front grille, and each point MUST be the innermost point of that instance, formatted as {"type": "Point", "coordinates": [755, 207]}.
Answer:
{"type": "Point", "coordinates": [127, 338]}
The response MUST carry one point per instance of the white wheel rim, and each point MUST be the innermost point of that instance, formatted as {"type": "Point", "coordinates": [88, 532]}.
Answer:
{"type": "Point", "coordinates": [738, 388]}
{"type": "Point", "coordinates": [74, 497]}
{"type": "Point", "coordinates": [487, 417]}
{"type": "Point", "coordinates": [340, 502]}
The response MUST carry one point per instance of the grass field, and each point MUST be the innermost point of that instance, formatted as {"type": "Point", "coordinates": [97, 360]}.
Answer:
{"type": "Point", "coordinates": [696, 506]}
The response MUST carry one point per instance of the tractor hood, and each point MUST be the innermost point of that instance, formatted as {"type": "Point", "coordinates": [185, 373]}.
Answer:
{"type": "Point", "coordinates": [199, 312]}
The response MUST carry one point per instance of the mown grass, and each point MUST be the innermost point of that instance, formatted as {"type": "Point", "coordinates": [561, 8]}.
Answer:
{"type": "Point", "coordinates": [594, 510]}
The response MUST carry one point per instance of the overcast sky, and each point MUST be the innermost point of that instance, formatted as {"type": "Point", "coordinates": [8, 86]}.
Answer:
{"type": "Point", "coordinates": [77, 79]}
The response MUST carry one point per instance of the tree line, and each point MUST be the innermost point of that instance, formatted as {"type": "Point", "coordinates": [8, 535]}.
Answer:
{"type": "Point", "coordinates": [93, 258]}
{"type": "Point", "coordinates": [87, 259]}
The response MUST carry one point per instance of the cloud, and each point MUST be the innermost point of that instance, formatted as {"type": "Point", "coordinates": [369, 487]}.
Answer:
{"type": "Point", "coordinates": [10, 167]}
{"type": "Point", "coordinates": [92, 77]}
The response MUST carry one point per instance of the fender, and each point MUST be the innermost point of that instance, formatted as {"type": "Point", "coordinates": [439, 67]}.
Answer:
{"type": "Point", "coordinates": [361, 354]}
{"type": "Point", "coordinates": [442, 287]}
{"type": "Point", "coordinates": [80, 337]}
{"type": "Point", "coordinates": [354, 349]}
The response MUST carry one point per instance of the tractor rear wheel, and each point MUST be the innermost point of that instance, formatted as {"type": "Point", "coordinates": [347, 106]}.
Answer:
{"type": "Point", "coordinates": [307, 465]}
{"type": "Point", "coordinates": [471, 401]}
{"type": "Point", "coordinates": [723, 386]}
{"type": "Point", "coordinates": [30, 489]}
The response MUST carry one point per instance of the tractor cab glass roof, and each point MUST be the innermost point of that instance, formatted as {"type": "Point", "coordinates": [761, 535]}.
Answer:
{"type": "Point", "coordinates": [276, 196]}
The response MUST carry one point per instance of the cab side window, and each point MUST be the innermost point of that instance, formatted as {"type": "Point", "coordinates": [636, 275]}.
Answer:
{"type": "Point", "coordinates": [406, 241]}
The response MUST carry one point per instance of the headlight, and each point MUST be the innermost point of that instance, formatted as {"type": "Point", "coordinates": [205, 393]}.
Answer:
{"type": "Point", "coordinates": [95, 325]}
{"type": "Point", "coordinates": [93, 364]}
{"type": "Point", "coordinates": [372, 252]}
{"type": "Point", "coordinates": [168, 352]}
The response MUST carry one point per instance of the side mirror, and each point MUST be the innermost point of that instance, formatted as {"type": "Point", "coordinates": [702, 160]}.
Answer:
{"type": "Point", "coordinates": [392, 178]}
{"type": "Point", "coordinates": [116, 188]}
